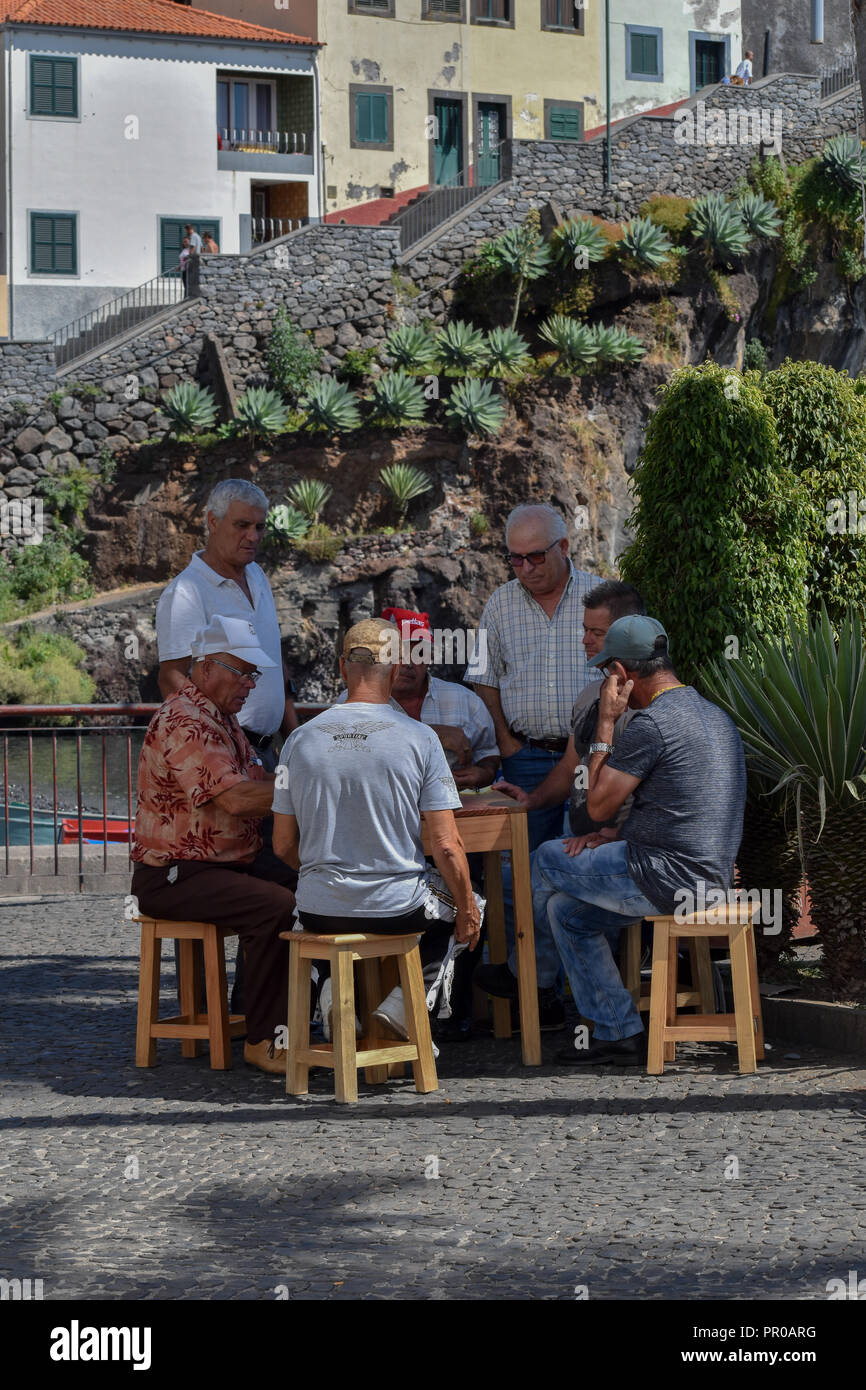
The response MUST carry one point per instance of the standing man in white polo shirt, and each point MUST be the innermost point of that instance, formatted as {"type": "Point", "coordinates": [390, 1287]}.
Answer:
{"type": "Point", "coordinates": [223, 579]}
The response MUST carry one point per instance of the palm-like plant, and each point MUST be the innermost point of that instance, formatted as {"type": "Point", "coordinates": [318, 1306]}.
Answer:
{"type": "Point", "coordinates": [574, 342]}
{"type": "Point", "coordinates": [461, 347]}
{"type": "Point", "coordinates": [507, 352]}
{"type": "Point", "coordinates": [719, 227]}
{"type": "Point", "coordinates": [397, 400]}
{"type": "Point", "coordinates": [475, 407]}
{"type": "Point", "coordinates": [523, 254]}
{"type": "Point", "coordinates": [614, 344]}
{"type": "Point", "coordinates": [284, 524]}
{"type": "Point", "coordinates": [189, 407]}
{"type": "Point", "coordinates": [412, 347]}
{"type": "Point", "coordinates": [262, 412]}
{"type": "Point", "coordinates": [403, 483]}
{"type": "Point", "coordinates": [799, 702]}
{"type": "Point", "coordinates": [841, 160]}
{"type": "Point", "coordinates": [579, 242]}
{"type": "Point", "coordinates": [309, 496]}
{"type": "Point", "coordinates": [330, 405]}
{"type": "Point", "coordinates": [760, 215]}
{"type": "Point", "coordinates": [646, 242]}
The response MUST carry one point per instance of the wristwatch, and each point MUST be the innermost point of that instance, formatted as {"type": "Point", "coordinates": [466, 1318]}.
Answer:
{"type": "Point", "coordinates": [600, 748]}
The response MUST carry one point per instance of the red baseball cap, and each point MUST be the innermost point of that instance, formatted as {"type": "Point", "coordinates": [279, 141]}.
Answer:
{"type": "Point", "coordinates": [410, 624]}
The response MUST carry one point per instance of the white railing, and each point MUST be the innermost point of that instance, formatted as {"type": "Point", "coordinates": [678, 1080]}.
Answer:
{"type": "Point", "coordinates": [267, 141]}
{"type": "Point", "coordinates": [270, 228]}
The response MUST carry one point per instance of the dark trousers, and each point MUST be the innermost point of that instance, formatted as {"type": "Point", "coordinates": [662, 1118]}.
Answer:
{"type": "Point", "coordinates": [259, 904]}
{"type": "Point", "coordinates": [433, 944]}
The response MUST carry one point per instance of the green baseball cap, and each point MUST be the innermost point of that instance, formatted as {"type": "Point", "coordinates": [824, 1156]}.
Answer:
{"type": "Point", "coordinates": [630, 639]}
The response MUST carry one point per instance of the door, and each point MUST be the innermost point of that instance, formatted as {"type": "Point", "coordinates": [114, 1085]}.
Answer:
{"type": "Point", "coordinates": [491, 130]}
{"type": "Point", "coordinates": [709, 62]}
{"type": "Point", "coordinates": [171, 239]}
{"type": "Point", "coordinates": [448, 144]}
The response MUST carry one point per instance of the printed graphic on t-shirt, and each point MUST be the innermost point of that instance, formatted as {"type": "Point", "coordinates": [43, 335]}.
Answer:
{"type": "Point", "coordinates": [355, 735]}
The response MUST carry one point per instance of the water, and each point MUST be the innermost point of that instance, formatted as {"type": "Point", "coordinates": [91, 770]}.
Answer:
{"type": "Point", "coordinates": [120, 775]}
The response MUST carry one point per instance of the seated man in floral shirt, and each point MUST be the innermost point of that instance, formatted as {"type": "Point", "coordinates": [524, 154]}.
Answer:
{"type": "Point", "coordinates": [202, 793]}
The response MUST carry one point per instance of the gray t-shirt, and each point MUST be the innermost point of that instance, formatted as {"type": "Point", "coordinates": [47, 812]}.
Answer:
{"type": "Point", "coordinates": [687, 818]}
{"type": "Point", "coordinates": [358, 778]}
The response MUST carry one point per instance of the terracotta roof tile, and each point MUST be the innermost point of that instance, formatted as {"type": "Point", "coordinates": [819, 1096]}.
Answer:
{"type": "Point", "coordinates": [140, 17]}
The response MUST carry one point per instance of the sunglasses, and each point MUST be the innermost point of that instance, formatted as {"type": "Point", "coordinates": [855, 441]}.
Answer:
{"type": "Point", "coordinates": [535, 557]}
{"type": "Point", "coordinates": [253, 675]}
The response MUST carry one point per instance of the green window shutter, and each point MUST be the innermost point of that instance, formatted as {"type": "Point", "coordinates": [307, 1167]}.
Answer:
{"type": "Point", "coordinates": [565, 123]}
{"type": "Point", "coordinates": [371, 117]}
{"type": "Point", "coordinates": [53, 86]}
{"type": "Point", "coordinates": [53, 244]}
{"type": "Point", "coordinates": [645, 54]}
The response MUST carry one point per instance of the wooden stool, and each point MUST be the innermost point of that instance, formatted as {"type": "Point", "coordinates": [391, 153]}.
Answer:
{"type": "Point", "coordinates": [701, 993]}
{"type": "Point", "coordinates": [217, 1025]}
{"type": "Point", "coordinates": [346, 1053]}
{"type": "Point", "coordinates": [744, 1026]}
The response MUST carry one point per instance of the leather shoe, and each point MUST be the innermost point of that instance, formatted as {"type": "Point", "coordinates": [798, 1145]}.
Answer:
{"type": "Point", "coordinates": [266, 1057]}
{"type": "Point", "coordinates": [618, 1052]}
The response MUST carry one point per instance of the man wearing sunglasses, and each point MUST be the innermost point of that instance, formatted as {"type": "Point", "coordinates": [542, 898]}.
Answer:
{"type": "Point", "coordinates": [202, 794]}
{"type": "Point", "coordinates": [534, 666]}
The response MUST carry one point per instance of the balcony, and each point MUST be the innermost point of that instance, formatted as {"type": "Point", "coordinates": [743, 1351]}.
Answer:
{"type": "Point", "coordinates": [266, 151]}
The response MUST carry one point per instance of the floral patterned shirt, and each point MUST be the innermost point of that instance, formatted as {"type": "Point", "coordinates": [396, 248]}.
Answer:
{"type": "Point", "coordinates": [191, 753]}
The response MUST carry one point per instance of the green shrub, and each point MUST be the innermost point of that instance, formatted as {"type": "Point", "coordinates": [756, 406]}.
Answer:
{"type": "Point", "coordinates": [292, 360]}
{"type": "Point", "coordinates": [461, 348]}
{"type": "Point", "coordinates": [262, 412]}
{"type": "Point", "coordinates": [575, 343]}
{"type": "Point", "coordinates": [718, 521]}
{"type": "Point", "coordinates": [397, 400]}
{"type": "Point", "coordinates": [475, 407]}
{"type": "Point", "coordinates": [614, 344]}
{"type": "Point", "coordinates": [478, 524]}
{"type": "Point", "coordinates": [285, 524]}
{"type": "Point", "coordinates": [310, 496]}
{"type": "Point", "coordinates": [189, 408]}
{"type": "Point", "coordinates": [403, 482]}
{"type": "Point", "coordinates": [760, 215]}
{"type": "Point", "coordinates": [718, 228]}
{"type": "Point", "coordinates": [842, 161]}
{"type": "Point", "coordinates": [645, 242]}
{"type": "Point", "coordinates": [37, 576]}
{"type": "Point", "coordinates": [321, 543]}
{"type": "Point", "coordinates": [507, 353]}
{"type": "Point", "coordinates": [668, 212]}
{"type": "Point", "coordinates": [578, 243]}
{"type": "Point", "coordinates": [67, 493]}
{"type": "Point", "coordinates": [356, 364]}
{"type": "Point", "coordinates": [521, 253]}
{"type": "Point", "coordinates": [412, 347]}
{"type": "Point", "coordinates": [755, 356]}
{"type": "Point", "coordinates": [330, 405]}
{"type": "Point", "coordinates": [768, 176]}
{"type": "Point", "coordinates": [40, 668]}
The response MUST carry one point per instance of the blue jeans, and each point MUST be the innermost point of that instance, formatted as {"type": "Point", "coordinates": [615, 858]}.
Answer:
{"type": "Point", "coordinates": [580, 905]}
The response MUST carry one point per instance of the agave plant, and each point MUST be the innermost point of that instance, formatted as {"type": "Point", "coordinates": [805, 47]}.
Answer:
{"type": "Point", "coordinates": [475, 407]}
{"type": "Point", "coordinates": [507, 352]}
{"type": "Point", "coordinates": [759, 214]}
{"type": "Point", "coordinates": [189, 407]}
{"type": "Point", "coordinates": [523, 254]}
{"type": "Point", "coordinates": [719, 227]}
{"type": "Point", "coordinates": [614, 344]}
{"type": "Point", "coordinates": [262, 412]}
{"type": "Point", "coordinates": [460, 347]}
{"type": "Point", "coordinates": [646, 242]}
{"type": "Point", "coordinates": [284, 524]}
{"type": "Point", "coordinates": [574, 342]}
{"type": "Point", "coordinates": [579, 242]}
{"type": "Point", "coordinates": [799, 702]}
{"type": "Point", "coordinates": [330, 405]}
{"type": "Point", "coordinates": [309, 496]}
{"type": "Point", "coordinates": [841, 160]}
{"type": "Point", "coordinates": [412, 347]}
{"type": "Point", "coordinates": [397, 400]}
{"type": "Point", "coordinates": [403, 483]}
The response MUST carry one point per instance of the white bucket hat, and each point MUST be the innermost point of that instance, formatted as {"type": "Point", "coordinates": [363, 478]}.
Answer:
{"type": "Point", "coordinates": [231, 637]}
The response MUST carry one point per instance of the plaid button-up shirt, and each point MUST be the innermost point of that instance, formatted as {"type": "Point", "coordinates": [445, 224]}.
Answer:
{"type": "Point", "coordinates": [537, 663]}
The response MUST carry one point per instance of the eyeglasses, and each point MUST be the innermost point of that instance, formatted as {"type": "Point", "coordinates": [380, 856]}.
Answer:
{"type": "Point", "coordinates": [535, 557]}
{"type": "Point", "coordinates": [253, 675]}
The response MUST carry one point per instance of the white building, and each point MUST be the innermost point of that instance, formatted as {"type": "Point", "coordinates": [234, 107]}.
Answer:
{"type": "Point", "coordinates": [122, 120]}
{"type": "Point", "coordinates": [664, 53]}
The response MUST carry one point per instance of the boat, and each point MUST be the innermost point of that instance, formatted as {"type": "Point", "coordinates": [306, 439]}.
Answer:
{"type": "Point", "coordinates": [17, 816]}
{"type": "Point", "coordinates": [95, 830]}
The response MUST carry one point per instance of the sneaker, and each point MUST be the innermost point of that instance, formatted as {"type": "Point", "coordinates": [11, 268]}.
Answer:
{"type": "Point", "coordinates": [326, 1009]}
{"type": "Point", "coordinates": [266, 1057]}
{"type": "Point", "coordinates": [392, 1011]}
{"type": "Point", "coordinates": [618, 1052]}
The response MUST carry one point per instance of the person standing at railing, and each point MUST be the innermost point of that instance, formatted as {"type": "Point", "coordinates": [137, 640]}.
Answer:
{"type": "Point", "coordinates": [209, 246]}
{"type": "Point", "coordinates": [223, 578]}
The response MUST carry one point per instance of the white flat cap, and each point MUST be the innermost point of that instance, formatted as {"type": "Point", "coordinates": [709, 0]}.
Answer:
{"type": "Point", "coordinates": [232, 636]}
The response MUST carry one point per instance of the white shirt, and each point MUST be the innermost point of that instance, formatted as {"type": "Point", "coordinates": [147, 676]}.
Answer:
{"type": "Point", "coordinates": [448, 702]}
{"type": "Point", "coordinates": [744, 69]}
{"type": "Point", "coordinates": [195, 243]}
{"type": "Point", "coordinates": [199, 594]}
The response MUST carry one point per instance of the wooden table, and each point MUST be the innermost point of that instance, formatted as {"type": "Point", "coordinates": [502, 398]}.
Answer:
{"type": "Point", "coordinates": [490, 822]}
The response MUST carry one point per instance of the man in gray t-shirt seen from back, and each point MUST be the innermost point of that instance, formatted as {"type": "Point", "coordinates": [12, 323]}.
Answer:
{"type": "Point", "coordinates": [351, 789]}
{"type": "Point", "coordinates": [681, 759]}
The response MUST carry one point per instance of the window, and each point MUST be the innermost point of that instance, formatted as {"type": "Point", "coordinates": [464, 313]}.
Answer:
{"type": "Point", "coordinates": [53, 243]}
{"type": "Point", "coordinates": [443, 9]}
{"type": "Point", "coordinates": [566, 15]}
{"type": "Point", "coordinates": [246, 104]}
{"type": "Point", "coordinates": [383, 8]}
{"type": "Point", "coordinates": [493, 12]}
{"type": "Point", "coordinates": [643, 53]}
{"type": "Point", "coordinates": [54, 87]}
{"type": "Point", "coordinates": [563, 120]}
{"type": "Point", "coordinates": [371, 116]}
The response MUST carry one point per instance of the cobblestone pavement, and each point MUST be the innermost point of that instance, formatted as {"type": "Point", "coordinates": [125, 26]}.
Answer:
{"type": "Point", "coordinates": [183, 1182]}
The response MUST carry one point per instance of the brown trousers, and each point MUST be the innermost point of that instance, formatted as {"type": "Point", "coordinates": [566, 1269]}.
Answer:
{"type": "Point", "coordinates": [260, 907]}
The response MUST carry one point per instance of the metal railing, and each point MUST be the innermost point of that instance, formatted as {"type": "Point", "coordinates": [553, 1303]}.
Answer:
{"type": "Point", "coordinates": [443, 200]}
{"type": "Point", "coordinates": [267, 141]}
{"type": "Point", "coordinates": [264, 229]}
{"type": "Point", "coordinates": [837, 78]}
{"type": "Point", "coordinates": [117, 315]}
{"type": "Point", "coordinates": [69, 790]}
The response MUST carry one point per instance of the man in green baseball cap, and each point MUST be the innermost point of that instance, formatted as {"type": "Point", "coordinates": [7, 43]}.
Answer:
{"type": "Point", "coordinates": [682, 760]}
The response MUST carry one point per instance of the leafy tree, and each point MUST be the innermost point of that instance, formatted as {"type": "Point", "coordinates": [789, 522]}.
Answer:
{"type": "Point", "coordinates": [292, 359]}
{"type": "Point", "coordinates": [42, 668]}
{"type": "Point", "coordinates": [523, 254]}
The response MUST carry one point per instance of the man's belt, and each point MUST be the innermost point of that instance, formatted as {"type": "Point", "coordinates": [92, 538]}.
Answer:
{"type": "Point", "coordinates": [549, 745]}
{"type": "Point", "coordinates": [258, 741]}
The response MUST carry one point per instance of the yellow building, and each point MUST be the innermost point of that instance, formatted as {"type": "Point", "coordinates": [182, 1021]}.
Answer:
{"type": "Point", "coordinates": [420, 92]}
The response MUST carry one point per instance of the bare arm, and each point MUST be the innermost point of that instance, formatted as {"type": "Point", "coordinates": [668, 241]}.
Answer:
{"type": "Point", "coordinates": [449, 856]}
{"type": "Point", "coordinates": [172, 675]}
{"type": "Point", "coordinates": [608, 788]}
{"type": "Point", "coordinates": [508, 744]}
{"type": "Point", "coordinates": [555, 788]}
{"type": "Point", "coordinates": [248, 798]}
{"type": "Point", "coordinates": [286, 839]}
